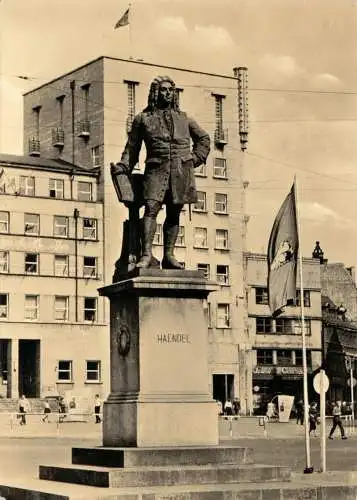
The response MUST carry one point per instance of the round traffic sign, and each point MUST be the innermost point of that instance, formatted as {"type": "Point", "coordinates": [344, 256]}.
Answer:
{"type": "Point", "coordinates": [319, 382]}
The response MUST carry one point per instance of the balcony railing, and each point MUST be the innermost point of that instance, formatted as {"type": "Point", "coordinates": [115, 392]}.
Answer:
{"type": "Point", "coordinates": [83, 129]}
{"type": "Point", "coordinates": [221, 136]}
{"type": "Point", "coordinates": [58, 137]}
{"type": "Point", "coordinates": [34, 147]}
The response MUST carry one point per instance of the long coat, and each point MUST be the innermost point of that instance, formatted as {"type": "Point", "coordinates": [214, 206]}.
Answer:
{"type": "Point", "coordinates": [169, 160]}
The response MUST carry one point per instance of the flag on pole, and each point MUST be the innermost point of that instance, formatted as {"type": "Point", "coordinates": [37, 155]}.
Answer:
{"type": "Point", "coordinates": [124, 20]}
{"type": "Point", "coordinates": [282, 256]}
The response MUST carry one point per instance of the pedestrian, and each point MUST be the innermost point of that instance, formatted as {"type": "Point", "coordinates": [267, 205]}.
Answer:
{"type": "Point", "coordinates": [299, 407]}
{"type": "Point", "coordinates": [313, 418]}
{"type": "Point", "coordinates": [228, 407]}
{"type": "Point", "coordinates": [97, 408]}
{"type": "Point", "coordinates": [236, 406]}
{"type": "Point", "coordinates": [337, 422]}
{"type": "Point", "coordinates": [46, 410]}
{"type": "Point", "coordinates": [62, 409]}
{"type": "Point", "coordinates": [24, 407]}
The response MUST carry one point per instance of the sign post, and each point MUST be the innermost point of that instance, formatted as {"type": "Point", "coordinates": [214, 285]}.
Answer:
{"type": "Point", "coordinates": [321, 385]}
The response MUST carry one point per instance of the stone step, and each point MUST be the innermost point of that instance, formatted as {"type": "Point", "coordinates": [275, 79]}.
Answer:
{"type": "Point", "coordinates": [311, 487]}
{"type": "Point", "coordinates": [152, 457]}
{"type": "Point", "coordinates": [163, 476]}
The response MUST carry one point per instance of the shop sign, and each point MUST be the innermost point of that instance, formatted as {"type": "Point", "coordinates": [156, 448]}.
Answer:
{"type": "Point", "coordinates": [278, 370]}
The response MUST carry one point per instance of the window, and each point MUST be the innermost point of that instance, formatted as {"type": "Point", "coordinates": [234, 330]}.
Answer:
{"type": "Point", "coordinates": [289, 326]}
{"type": "Point", "coordinates": [64, 371]}
{"type": "Point", "coordinates": [307, 299]}
{"type": "Point", "coordinates": [4, 261]}
{"type": "Point", "coordinates": [31, 263]}
{"type": "Point", "coordinates": [200, 205]}
{"type": "Point", "coordinates": [31, 307]}
{"type": "Point", "coordinates": [60, 226]}
{"type": "Point", "coordinates": [85, 89]}
{"type": "Point", "coordinates": [27, 186]}
{"type": "Point", "coordinates": [261, 296]}
{"type": "Point", "coordinates": [96, 156]}
{"type": "Point", "coordinates": [201, 171]}
{"type": "Point", "coordinates": [200, 237]}
{"type": "Point", "coordinates": [84, 191]}
{"type": "Point", "coordinates": [264, 357]}
{"type": "Point", "coordinates": [222, 274]}
{"type": "Point", "coordinates": [90, 229]}
{"type": "Point", "coordinates": [90, 309]}
{"type": "Point", "coordinates": [61, 265]}
{"type": "Point", "coordinates": [263, 325]}
{"type": "Point", "coordinates": [56, 188]}
{"type": "Point", "coordinates": [222, 239]}
{"type": "Point", "coordinates": [220, 168]}
{"type": "Point", "coordinates": [89, 267]}
{"type": "Point", "coordinates": [205, 269]}
{"type": "Point", "coordinates": [93, 371]}
{"type": "Point", "coordinates": [220, 203]}
{"type": "Point", "coordinates": [4, 305]}
{"type": "Point", "coordinates": [180, 242]}
{"type": "Point", "coordinates": [60, 100]}
{"type": "Point", "coordinates": [298, 358]}
{"type": "Point", "coordinates": [131, 90]}
{"type": "Point", "coordinates": [32, 224]}
{"type": "Point", "coordinates": [61, 307]}
{"type": "Point", "coordinates": [223, 316]}
{"type": "Point", "coordinates": [219, 110]}
{"type": "Point", "coordinates": [4, 221]}
{"type": "Point", "coordinates": [158, 235]}
{"type": "Point", "coordinates": [284, 357]}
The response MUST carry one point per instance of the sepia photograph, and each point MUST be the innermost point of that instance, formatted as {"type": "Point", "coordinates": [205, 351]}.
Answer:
{"type": "Point", "coordinates": [178, 249]}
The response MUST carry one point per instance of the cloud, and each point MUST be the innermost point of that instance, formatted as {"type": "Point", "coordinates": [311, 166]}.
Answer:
{"type": "Point", "coordinates": [326, 79]}
{"type": "Point", "coordinates": [318, 213]}
{"type": "Point", "coordinates": [282, 66]}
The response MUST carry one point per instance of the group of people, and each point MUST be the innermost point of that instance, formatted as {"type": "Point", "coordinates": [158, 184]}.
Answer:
{"type": "Point", "coordinates": [338, 409]}
{"type": "Point", "coordinates": [229, 408]}
{"type": "Point", "coordinates": [63, 408]}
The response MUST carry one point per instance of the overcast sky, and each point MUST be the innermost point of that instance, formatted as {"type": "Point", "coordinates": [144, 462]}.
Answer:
{"type": "Point", "coordinates": [302, 61]}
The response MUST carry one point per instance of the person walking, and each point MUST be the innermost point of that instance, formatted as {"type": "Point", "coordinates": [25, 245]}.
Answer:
{"type": "Point", "coordinates": [46, 411]}
{"type": "Point", "coordinates": [299, 412]}
{"type": "Point", "coordinates": [337, 422]}
{"type": "Point", "coordinates": [24, 407]}
{"type": "Point", "coordinates": [313, 418]}
{"type": "Point", "coordinates": [97, 408]}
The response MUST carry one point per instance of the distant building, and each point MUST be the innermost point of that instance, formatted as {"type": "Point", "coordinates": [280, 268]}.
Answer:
{"type": "Point", "coordinates": [53, 336]}
{"type": "Point", "coordinates": [83, 117]}
{"type": "Point", "coordinates": [275, 345]}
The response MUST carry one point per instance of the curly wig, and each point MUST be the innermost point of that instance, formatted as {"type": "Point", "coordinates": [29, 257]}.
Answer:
{"type": "Point", "coordinates": [154, 93]}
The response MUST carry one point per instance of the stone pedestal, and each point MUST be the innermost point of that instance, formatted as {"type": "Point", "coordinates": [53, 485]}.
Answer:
{"type": "Point", "coordinates": [159, 362]}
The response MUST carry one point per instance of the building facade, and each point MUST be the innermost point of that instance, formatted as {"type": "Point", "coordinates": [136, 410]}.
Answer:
{"type": "Point", "coordinates": [275, 345]}
{"type": "Point", "coordinates": [53, 336]}
{"type": "Point", "coordinates": [83, 117]}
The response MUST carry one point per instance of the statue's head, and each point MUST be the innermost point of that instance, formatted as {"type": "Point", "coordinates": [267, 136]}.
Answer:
{"type": "Point", "coordinates": [162, 94]}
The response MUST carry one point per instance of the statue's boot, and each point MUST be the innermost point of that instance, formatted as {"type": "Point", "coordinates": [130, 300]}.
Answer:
{"type": "Point", "coordinates": [149, 229]}
{"type": "Point", "coordinates": [170, 236]}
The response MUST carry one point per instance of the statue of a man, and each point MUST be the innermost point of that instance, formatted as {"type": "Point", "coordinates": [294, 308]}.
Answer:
{"type": "Point", "coordinates": [169, 167]}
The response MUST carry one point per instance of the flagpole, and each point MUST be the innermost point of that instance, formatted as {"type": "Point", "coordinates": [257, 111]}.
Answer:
{"type": "Point", "coordinates": [308, 469]}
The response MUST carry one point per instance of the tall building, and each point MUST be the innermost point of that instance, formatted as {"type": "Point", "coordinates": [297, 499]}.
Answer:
{"type": "Point", "coordinates": [52, 333]}
{"type": "Point", "coordinates": [83, 117]}
{"type": "Point", "coordinates": [275, 345]}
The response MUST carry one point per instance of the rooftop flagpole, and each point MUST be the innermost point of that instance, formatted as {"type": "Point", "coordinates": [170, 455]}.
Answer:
{"type": "Point", "coordinates": [308, 469]}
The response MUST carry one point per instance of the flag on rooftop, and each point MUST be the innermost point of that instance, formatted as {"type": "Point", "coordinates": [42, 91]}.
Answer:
{"type": "Point", "coordinates": [124, 20]}
{"type": "Point", "coordinates": [282, 256]}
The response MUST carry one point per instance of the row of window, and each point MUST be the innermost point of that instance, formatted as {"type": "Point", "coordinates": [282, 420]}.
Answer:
{"type": "Point", "coordinates": [65, 371]}
{"type": "Point", "coordinates": [282, 357]}
{"type": "Point", "coordinates": [60, 308]}
{"type": "Point", "coordinates": [220, 203]}
{"type": "Point", "coordinates": [88, 226]}
{"type": "Point", "coordinates": [283, 326]}
{"type": "Point", "coordinates": [200, 237]}
{"type": "Point", "coordinates": [262, 297]}
{"type": "Point", "coordinates": [60, 265]}
{"type": "Point", "coordinates": [26, 186]}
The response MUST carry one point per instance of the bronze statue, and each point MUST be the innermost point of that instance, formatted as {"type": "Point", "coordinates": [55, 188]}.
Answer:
{"type": "Point", "coordinates": [169, 167]}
